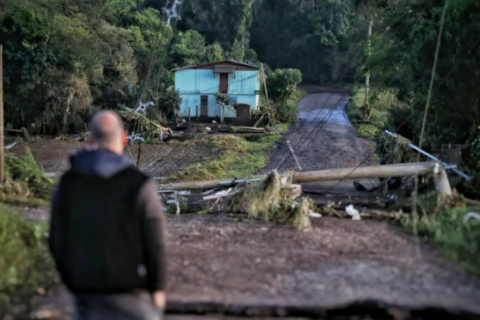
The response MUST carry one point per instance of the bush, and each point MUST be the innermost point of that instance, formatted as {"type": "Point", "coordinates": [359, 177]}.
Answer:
{"type": "Point", "coordinates": [282, 84]}
{"type": "Point", "coordinates": [25, 263]}
{"type": "Point", "coordinates": [286, 111]}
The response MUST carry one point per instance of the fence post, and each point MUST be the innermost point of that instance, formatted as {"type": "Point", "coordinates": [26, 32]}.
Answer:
{"type": "Point", "coordinates": [2, 147]}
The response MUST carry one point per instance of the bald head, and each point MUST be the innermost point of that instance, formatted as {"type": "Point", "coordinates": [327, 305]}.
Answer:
{"type": "Point", "coordinates": [106, 131]}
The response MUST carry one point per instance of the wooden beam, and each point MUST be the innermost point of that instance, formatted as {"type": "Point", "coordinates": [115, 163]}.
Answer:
{"type": "Point", "coordinates": [240, 129]}
{"type": "Point", "coordinates": [2, 147]}
{"type": "Point", "coordinates": [197, 185]}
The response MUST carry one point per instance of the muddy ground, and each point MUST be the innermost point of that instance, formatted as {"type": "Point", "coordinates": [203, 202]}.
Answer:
{"type": "Point", "coordinates": [157, 160]}
{"type": "Point", "coordinates": [230, 262]}
{"type": "Point", "coordinates": [218, 263]}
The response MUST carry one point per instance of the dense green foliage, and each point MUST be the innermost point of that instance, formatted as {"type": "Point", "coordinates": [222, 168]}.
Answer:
{"type": "Point", "coordinates": [401, 57]}
{"type": "Point", "coordinates": [318, 37]}
{"type": "Point", "coordinates": [65, 60]}
{"type": "Point", "coordinates": [25, 263]}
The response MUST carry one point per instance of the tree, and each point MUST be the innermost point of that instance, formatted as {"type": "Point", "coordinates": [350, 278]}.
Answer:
{"type": "Point", "coordinates": [307, 35]}
{"type": "Point", "coordinates": [365, 6]}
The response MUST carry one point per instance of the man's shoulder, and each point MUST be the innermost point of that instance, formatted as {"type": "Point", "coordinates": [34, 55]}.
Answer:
{"type": "Point", "coordinates": [134, 171]}
{"type": "Point", "coordinates": [130, 173]}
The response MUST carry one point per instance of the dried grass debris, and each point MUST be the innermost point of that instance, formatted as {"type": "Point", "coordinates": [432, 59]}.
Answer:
{"type": "Point", "coordinates": [264, 201]}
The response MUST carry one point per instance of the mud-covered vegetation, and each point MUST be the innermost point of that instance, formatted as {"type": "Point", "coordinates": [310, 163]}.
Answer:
{"type": "Point", "coordinates": [232, 156]}
{"type": "Point", "coordinates": [265, 201]}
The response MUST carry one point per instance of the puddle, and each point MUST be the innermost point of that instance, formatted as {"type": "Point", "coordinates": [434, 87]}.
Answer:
{"type": "Point", "coordinates": [336, 116]}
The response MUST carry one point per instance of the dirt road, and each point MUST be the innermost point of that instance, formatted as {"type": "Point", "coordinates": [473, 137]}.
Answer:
{"type": "Point", "coordinates": [218, 263]}
{"type": "Point", "coordinates": [323, 138]}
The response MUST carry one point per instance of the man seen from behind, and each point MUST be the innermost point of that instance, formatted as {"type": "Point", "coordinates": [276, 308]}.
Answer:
{"type": "Point", "coordinates": [107, 233]}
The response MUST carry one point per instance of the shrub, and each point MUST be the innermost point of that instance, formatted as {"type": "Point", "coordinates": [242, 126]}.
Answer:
{"type": "Point", "coordinates": [25, 179]}
{"type": "Point", "coordinates": [282, 84]}
{"type": "Point", "coordinates": [455, 239]}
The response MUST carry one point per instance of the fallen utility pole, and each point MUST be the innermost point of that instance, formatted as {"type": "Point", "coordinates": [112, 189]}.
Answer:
{"type": "Point", "coordinates": [386, 171]}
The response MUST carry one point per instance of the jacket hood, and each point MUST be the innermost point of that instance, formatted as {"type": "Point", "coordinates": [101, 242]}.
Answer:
{"type": "Point", "coordinates": [98, 163]}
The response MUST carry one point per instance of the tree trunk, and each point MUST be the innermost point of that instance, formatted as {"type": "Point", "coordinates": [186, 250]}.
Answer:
{"type": "Point", "coordinates": [367, 77]}
{"type": "Point", "coordinates": [65, 116]}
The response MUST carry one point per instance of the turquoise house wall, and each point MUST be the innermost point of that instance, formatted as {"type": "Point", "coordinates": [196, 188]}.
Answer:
{"type": "Point", "coordinates": [193, 83]}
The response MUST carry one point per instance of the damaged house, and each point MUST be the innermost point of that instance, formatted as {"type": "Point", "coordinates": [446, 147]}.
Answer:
{"type": "Point", "coordinates": [202, 87]}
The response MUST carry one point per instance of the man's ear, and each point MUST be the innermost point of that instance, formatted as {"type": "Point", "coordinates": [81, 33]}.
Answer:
{"type": "Point", "coordinates": [90, 140]}
{"type": "Point", "coordinates": [124, 138]}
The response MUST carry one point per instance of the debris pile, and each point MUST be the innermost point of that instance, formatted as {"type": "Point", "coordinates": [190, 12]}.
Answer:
{"type": "Point", "coordinates": [265, 200]}
{"type": "Point", "coordinates": [145, 128]}
{"type": "Point", "coordinates": [268, 200]}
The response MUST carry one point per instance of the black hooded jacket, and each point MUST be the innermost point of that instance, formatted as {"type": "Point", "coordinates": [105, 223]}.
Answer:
{"type": "Point", "coordinates": [107, 232]}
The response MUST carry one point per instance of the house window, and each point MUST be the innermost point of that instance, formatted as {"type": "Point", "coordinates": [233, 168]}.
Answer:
{"type": "Point", "coordinates": [223, 83]}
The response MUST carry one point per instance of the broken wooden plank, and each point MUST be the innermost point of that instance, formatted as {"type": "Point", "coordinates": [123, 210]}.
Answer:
{"type": "Point", "coordinates": [233, 129]}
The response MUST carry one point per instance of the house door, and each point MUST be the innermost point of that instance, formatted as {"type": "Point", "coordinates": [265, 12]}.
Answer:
{"type": "Point", "coordinates": [223, 83]}
{"type": "Point", "coordinates": [204, 106]}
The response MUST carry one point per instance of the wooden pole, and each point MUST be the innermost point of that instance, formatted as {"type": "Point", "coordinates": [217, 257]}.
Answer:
{"type": "Point", "coordinates": [265, 85]}
{"type": "Point", "coordinates": [2, 147]}
{"type": "Point", "coordinates": [266, 95]}
{"type": "Point", "coordinates": [367, 77]}
{"type": "Point", "coordinates": [189, 112]}
{"type": "Point", "coordinates": [196, 112]}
